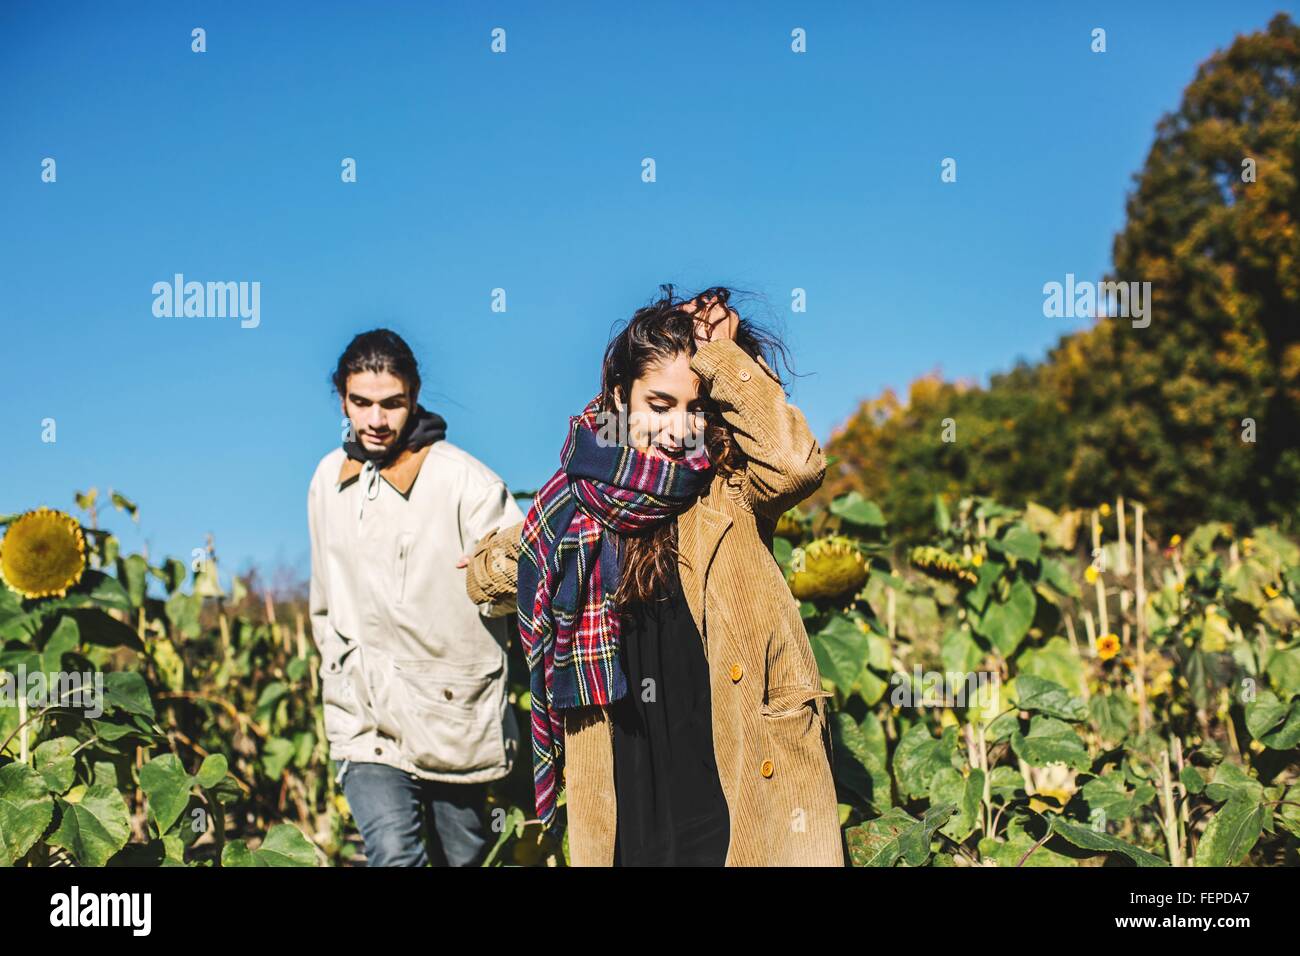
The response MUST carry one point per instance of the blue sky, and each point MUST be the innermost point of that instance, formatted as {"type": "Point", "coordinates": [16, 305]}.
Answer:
{"type": "Point", "coordinates": [522, 171]}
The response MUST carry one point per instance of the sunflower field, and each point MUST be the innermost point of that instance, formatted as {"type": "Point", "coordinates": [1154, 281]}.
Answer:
{"type": "Point", "coordinates": [1030, 688]}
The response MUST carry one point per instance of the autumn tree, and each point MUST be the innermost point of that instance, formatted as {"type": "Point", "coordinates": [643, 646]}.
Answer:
{"type": "Point", "coordinates": [1198, 414]}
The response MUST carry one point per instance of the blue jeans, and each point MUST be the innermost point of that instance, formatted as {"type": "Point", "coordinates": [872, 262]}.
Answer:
{"type": "Point", "coordinates": [392, 807]}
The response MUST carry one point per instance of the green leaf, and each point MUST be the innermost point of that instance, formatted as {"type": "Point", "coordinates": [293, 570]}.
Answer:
{"type": "Point", "coordinates": [855, 509]}
{"type": "Point", "coordinates": [1048, 697]}
{"type": "Point", "coordinates": [1050, 741]}
{"type": "Point", "coordinates": [1022, 543]}
{"type": "Point", "coordinates": [168, 787]}
{"type": "Point", "coordinates": [284, 846]}
{"type": "Point", "coordinates": [1191, 779]}
{"type": "Point", "coordinates": [1005, 783]}
{"type": "Point", "coordinates": [1273, 723]}
{"type": "Point", "coordinates": [104, 591]}
{"type": "Point", "coordinates": [271, 695]}
{"type": "Point", "coordinates": [1231, 780]}
{"type": "Point", "coordinates": [94, 827]}
{"type": "Point", "coordinates": [172, 574]}
{"type": "Point", "coordinates": [53, 760]}
{"type": "Point", "coordinates": [857, 767]}
{"type": "Point", "coordinates": [276, 755]}
{"type": "Point", "coordinates": [942, 520]}
{"type": "Point", "coordinates": [1231, 833]}
{"type": "Point", "coordinates": [131, 572]}
{"type": "Point", "coordinates": [918, 757]}
{"type": "Point", "coordinates": [1109, 794]}
{"type": "Point", "coordinates": [213, 770]}
{"type": "Point", "coordinates": [127, 691]}
{"type": "Point", "coordinates": [122, 503]}
{"type": "Point", "coordinates": [1089, 839]}
{"type": "Point", "coordinates": [959, 651]}
{"type": "Point", "coordinates": [840, 649]}
{"type": "Point", "coordinates": [183, 613]}
{"type": "Point", "coordinates": [1288, 814]}
{"type": "Point", "coordinates": [1113, 715]}
{"type": "Point", "coordinates": [1283, 669]}
{"type": "Point", "coordinates": [66, 638]}
{"type": "Point", "coordinates": [877, 842]}
{"type": "Point", "coordinates": [1005, 624]}
{"type": "Point", "coordinates": [964, 793]}
{"type": "Point", "coordinates": [101, 629]}
{"type": "Point", "coordinates": [1054, 573]}
{"type": "Point", "coordinates": [1055, 660]}
{"type": "Point", "coordinates": [1008, 854]}
{"type": "Point", "coordinates": [25, 810]}
{"type": "Point", "coordinates": [915, 841]}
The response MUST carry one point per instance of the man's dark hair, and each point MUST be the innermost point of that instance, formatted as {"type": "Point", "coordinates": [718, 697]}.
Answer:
{"type": "Point", "coordinates": [379, 350]}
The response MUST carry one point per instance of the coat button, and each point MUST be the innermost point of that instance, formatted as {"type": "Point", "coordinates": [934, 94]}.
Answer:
{"type": "Point", "coordinates": [735, 673]}
{"type": "Point", "coordinates": [744, 375]}
{"type": "Point", "coordinates": [766, 769]}
{"type": "Point", "coordinates": [446, 692]}
{"type": "Point", "coordinates": [379, 751]}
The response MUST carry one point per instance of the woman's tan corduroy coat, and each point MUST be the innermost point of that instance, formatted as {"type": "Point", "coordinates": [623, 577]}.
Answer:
{"type": "Point", "coordinates": [770, 733]}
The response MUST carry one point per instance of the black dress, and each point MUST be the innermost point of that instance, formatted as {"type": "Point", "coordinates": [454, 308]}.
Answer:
{"type": "Point", "coordinates": [670, 806]}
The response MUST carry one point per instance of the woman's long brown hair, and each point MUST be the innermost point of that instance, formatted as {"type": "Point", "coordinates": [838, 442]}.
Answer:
{"type": "Point", "coordinates": [655, 333]}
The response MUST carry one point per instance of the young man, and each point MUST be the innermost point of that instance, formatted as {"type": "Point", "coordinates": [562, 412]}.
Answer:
{"type": "Point", "coordinates": [413, 675]}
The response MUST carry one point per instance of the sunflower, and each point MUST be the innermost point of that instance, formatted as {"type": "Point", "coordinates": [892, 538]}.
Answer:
{"type": "Point", "coordinates": [43, 554]}
{"type": "Point", "coordinates": [832, 567]}
{"type": "Point", "coordinates": [1107, 646]}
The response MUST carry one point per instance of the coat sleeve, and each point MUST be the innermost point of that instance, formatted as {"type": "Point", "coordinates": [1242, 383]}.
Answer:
{"type": "Point", "coordinates": [491, 578]}
{"type": "Point", "coordinates": [483, 515]}
{"type": "Point", "coordinates": [318, 589]}
{"type": "Point", "coordinates": [785, 461]}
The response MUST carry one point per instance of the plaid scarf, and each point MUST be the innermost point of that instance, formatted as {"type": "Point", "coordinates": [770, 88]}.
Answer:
{"type": "Point", "coordinates": [568, 574]}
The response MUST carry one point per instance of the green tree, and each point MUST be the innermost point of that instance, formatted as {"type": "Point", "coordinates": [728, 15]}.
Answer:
{"type": "Point", "coordinates": [1156, 413]}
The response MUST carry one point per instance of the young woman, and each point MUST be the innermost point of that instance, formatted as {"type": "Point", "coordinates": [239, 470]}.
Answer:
{"type": "Point", "coordinates": [674, 692]}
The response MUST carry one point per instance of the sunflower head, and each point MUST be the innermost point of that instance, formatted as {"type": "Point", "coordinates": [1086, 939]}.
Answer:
{"type": "Point", "coordinates": [43, 554]}
{"type": "Point", "coordinates": [1107, 646]}
{"type": "Point", "coordinates": [832, 567]}
{"type": "Point", "coordinates": [939, 563]}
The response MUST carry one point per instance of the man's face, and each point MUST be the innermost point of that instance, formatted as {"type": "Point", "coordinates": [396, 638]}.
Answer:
{"type": "Point", "coordinates": [378, 405]}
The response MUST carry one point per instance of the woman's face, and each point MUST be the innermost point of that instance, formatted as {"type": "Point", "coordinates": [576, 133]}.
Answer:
{"type": "Point", "coordinates": [666, 412]}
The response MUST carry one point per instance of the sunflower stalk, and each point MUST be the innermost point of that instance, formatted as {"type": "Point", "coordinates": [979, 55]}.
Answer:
{"type": "Point", "coordinates": [1140, 591]}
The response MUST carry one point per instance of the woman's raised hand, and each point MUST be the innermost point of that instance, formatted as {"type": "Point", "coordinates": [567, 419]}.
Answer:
{"type": "Point", "coordinates": [713, 320]}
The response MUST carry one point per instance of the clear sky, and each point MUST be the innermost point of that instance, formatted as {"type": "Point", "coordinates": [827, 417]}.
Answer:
{"type": "Point", "coordinates": [523, 171]}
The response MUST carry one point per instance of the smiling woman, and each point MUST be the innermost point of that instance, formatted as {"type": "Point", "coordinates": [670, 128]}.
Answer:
{"type": "Point", "coordinates": [674, 692]}
{"type": "Point", "coordinates": [647, 379]}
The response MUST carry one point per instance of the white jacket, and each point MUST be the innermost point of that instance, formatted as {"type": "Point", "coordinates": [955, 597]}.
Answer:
{"type": "Point", "coordinates": [412, 674]}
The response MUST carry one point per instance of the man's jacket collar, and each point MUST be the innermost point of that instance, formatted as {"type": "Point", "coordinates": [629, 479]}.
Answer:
{"type": "Point", "coordinates": [400, 473]}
